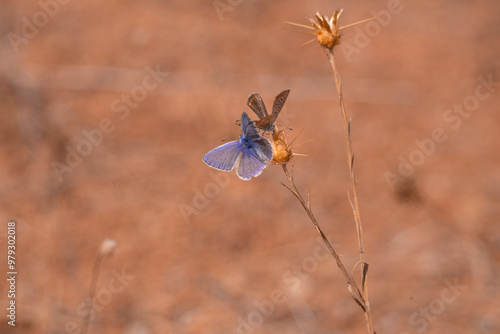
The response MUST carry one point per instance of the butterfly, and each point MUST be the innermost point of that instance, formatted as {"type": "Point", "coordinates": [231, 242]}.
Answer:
{"type": "Point", "coordinates": [248, 156]}
{"type": "Point", "coordinates": [266, 122]}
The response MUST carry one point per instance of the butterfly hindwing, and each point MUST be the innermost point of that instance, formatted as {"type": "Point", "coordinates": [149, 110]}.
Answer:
{"type": "Point", "coordinates": [249, 165]}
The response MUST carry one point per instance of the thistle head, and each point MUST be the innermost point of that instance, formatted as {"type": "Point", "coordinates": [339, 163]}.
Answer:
{"type": "Point", "coordinates": [282, 151]}
{"type": "Point", "coordinates": [327, 29]}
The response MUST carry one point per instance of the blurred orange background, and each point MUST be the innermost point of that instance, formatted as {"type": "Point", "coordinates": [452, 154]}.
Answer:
{"type": "Point", "coordinates": [108, 107]}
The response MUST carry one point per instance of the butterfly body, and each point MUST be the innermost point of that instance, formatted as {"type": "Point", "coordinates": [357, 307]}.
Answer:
{"type": "Point", "coordinates": [266, 123]}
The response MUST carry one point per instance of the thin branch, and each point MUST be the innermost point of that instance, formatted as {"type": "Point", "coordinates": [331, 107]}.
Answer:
{"type": "Point", "coordinates": [351, 283]}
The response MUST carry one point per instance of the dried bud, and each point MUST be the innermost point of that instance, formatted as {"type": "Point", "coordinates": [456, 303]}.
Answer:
{"type": "Point", "coordinates": [108, 247]}
{"type": "Point", "coordinates": [327, 30]}
{"type": "Point", "coordinates": [282, 153]}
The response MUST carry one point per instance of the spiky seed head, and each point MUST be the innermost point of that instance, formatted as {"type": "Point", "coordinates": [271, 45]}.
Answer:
{"type": "Point", "coordinates": [282, 152]}
{"type": "Point", "coordinates": [327, 29]}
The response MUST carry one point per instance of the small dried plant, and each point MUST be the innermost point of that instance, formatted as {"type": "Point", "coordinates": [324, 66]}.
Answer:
{"type": "Point", "coordinates": [252, 153]}
{"type": "Point", "coordinates": [328, 35]}
{"type": "Point", "coordinates": [108, 247]}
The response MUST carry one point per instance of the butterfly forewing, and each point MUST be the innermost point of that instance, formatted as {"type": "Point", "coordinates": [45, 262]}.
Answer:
{"type": "Point", "coordinates": [257, 105]}
{"type": "Point", "coordinates": [223, 157]}
{"type": "Point", "coordinates": [279, 101]}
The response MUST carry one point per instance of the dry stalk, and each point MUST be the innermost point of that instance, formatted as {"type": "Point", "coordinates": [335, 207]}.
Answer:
{"type": "Point", "coordinates": [92, 290]}
{"type": "Point", "coordinates": [108, 247]}
{"type": "Point", "coordinates": [354, 201]}
{"type": "Point", "coordinates": [351, 283]}
{"type": "Point", "coordinates": [328, 34]}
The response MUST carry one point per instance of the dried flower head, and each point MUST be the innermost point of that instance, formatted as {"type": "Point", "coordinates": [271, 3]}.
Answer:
{"type": "Point", "coordinates": [282, 152]}
{"type": "Point", "coordinates": [108, 247]}
{"type": "Point", "coordinates": [327, 30]}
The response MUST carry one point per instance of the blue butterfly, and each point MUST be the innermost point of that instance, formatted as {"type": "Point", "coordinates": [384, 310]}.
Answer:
{"type": "Point", "coordinates": [248, 156]}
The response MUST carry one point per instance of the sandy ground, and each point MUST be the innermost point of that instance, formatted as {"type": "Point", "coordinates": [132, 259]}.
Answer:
{"type": "Point", "coordinates": [108, 107]}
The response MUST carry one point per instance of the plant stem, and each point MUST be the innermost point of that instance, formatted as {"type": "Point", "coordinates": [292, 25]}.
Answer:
{"type": "Point", "coordinates": [351, 283]}
{"type": "Point", "coordinates": [92, 290]}
{"type": "Point", "coordinates": [355, 205]}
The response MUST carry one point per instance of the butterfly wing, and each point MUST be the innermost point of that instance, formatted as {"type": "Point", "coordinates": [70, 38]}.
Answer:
{"type": "Point", "coordinates": [223, 157]}
{"type": "Point", "coordinates": [257, 105]}
{"type": "Point", "coordinates": [249, 164]}
{"type": "Point", "coordinates": [279, 101]}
